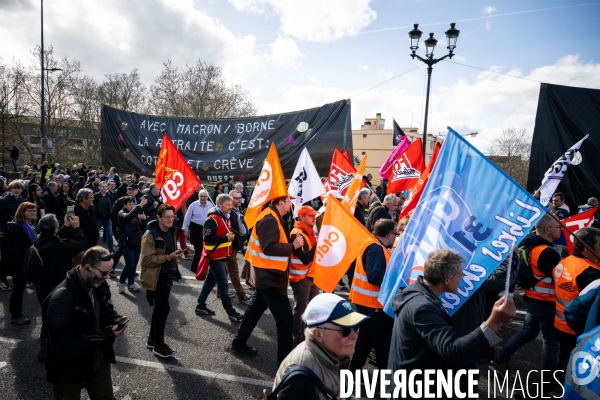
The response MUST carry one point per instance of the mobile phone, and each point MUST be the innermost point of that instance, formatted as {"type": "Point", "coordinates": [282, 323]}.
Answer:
{"type": "Point", "coordinates": [70, 210]}
{"type": "Point", "coordinates": [122, 323]}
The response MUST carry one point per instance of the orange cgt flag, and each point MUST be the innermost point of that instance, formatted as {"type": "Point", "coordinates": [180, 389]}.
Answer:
{"type": "Point", "coordinates": [174, 176]}
{"type": "Point", "coordinates": [342, 239]}
{"type": "Point", "coordinates": [351, 196]}
{"type": "Point", "coordinates": [269, 185]}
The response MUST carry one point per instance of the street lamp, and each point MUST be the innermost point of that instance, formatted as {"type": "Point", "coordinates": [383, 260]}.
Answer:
{"type": "Point", "coordinates": [430, 43]}
{"type": "Point", "coordinates": [43, 125]}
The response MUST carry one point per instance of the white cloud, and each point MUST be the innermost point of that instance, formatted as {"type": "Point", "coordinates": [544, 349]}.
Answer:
{"type": "Point", "coordinates": [314, 20]}
{"type": "Point", "coordinates": [488, 24]}
{"type": "Point", "coordinates": [363, 67]}
{"type": "Point", "coordinates": [116, 36]}
{"type": "Point", "coordinates": [285, 53]}
{"type": "Point", "coordinates": [489, 10]}
{"type": "Point", "coordinates": [487, 104]}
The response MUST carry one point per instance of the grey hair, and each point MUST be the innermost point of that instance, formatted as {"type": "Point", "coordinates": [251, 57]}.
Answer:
{"type": "Point", "coordinates": [239, 186]}
{"type": "Point", "coordinates": [389, 198]}
{"type": "Point", "coordinates": [235, 191]}
{"type": "Point", "coordinates": [83, 193]}
{"type": "Point", "coordinates": [589, 236]}
{"type": "Point", "coordinates": [222, 198]}
{"type": "Point", "coordinates": [48, 224]}
{"type": "Point", "coordinates": [52, 184]}
{"type": "Point", "coordinates": [441, 265]}
{"type": "Point", "coordinates": [364, 192]}
{"type": "Point", "coordinates": [202, 191]}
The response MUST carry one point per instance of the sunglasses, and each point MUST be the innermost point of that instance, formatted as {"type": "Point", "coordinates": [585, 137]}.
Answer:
{"type": "Point", "coordinates": [344, 331]}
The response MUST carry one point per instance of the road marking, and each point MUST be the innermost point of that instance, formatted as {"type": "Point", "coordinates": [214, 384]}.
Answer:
{"type": "Point", "coordinates": [9, 340]}
{"type": "Point", "coordinates": [521, 312]}
{"type": "Point", "coordinates": [193, 371]}
{"type": "Point", "coordinates": [3, 364]}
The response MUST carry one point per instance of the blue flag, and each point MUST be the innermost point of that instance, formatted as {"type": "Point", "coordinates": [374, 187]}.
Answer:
{"type": "Point", "coordinates": [469, 205]}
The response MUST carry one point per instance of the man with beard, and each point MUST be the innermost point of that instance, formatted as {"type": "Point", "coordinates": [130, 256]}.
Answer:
{"type": "Point", "coordinates": [82, 326]}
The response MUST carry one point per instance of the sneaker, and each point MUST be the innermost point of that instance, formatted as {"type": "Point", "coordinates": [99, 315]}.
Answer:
{"type": "Point", "coordinates": [121, 287]}
{"type": "Point", "coordinates": [502, 368]}
{"type": "Point", "coordinates": [236, 317]}
{"type": "Point", "coordinates": [28, 284]}
{"type": "Point", "coordinates": [4, 286]}
{"type": "Point", "coordinates": [112, 274]}
{"type": "Point", "coordinates": [190, 255]}
{"type": "Point", "coordinates": [231, 293]}
{"type": "Point", "coordinates": [163, 350]}
{"type": "Point", "coordinates": [245, 299]}
{"type": "Point", "coordinates": [20, 321]}
{"type": "Point", "coordinates": [372, 358]}
{"type": "Point", "coordinates": [135, 287]}
{"type": "Point", "coordinates": [150, 344]}
{"type": "Point", "coordinates": [245, 350]}
{"type": "Point", "coordinates": [203, 310]}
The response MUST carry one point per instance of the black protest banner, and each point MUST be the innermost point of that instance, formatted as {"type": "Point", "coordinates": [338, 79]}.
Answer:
{"type": "Point", "coordinates": [564, 116]}
{"type": "Point", "coordinates": [220, 149]}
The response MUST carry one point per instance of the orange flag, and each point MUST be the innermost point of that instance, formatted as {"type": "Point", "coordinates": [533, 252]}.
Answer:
{"type": "Point", "coordinates": [269, 185]}
{"type": "Point", "coordinates": [351, 196]}
{"type": "Point", "coordinates": [417, 190]}
{"type": "Point", "coordinates": [342, 239]}
{"type": "Point", "coordinates": [174, 176]}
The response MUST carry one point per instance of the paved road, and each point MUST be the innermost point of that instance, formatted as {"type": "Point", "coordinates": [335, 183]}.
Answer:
{"type": "Point", "coordinates": [203, 367]}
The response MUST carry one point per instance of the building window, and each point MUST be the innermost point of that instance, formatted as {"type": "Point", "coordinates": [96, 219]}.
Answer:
{"type": "Point", "coordinates": [364, 135]}
{"type": "Point", "coordinates": [364, 152]}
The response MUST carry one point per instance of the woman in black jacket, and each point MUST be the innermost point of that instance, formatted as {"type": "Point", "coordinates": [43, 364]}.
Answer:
{"type": "Point", "coordinates": [130, 241]}
{"type": "Point", "coordinates": [34, 195]}
{"type": "Point", "coordinates": [20, 235]}
{"type": "Point", "coordinates": [65, 198]}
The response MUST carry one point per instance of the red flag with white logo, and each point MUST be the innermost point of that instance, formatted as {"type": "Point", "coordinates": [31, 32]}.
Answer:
{"type": "Point", "coordinates": [341, 173]}
{"type": "Point", "coordinates": [405, 171]}
{"type": "Point", "coordinates": [417, 190]}
{"type": "Point", "coordinates": [173, 175]}
{"type": "Point", "coordinates": [575, 223]}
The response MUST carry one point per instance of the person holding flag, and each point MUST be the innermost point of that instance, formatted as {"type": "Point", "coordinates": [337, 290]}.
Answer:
{"type": "Point", "coordinates": [368, 276]}
{"type": "Point", "coordinates": [301, 273]}
{"type": "Point", "coordinates": [269, 252]}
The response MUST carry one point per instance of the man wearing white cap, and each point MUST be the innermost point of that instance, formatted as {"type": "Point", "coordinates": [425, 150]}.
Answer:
{"type": "Point", "coordinates": [331, 335]}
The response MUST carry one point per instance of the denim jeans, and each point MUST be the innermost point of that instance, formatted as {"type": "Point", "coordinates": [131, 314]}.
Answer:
{"type": "Point", "coordinates": [279, 305]}
{"type": "Point", "coordinates": [14, 164]}
{"type": "Point", "coordinates": [131, 256]}
{"type": "Point", "coordinates": [538, 318]}
{"type": "Point", "coordinates": [216, 276]}
{"type": "Point", "coordinates": [107, 224]}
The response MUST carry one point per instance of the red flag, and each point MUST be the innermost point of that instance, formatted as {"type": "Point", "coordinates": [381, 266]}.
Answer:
{"type": "Point", "coordinates": [417, 190]}
{"type": "Point", "coordinates": [173, 174]}
{"type": "Point", "coordinates": [576, 222]}
{"type": "Point", "coordinates": [347, 155]}
{"type": "Point", "coordinates": [405, 171]}
{"type": "Point", "coordinates": [341, 173]}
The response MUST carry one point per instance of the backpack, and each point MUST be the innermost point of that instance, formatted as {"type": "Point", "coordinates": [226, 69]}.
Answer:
{"type": "Point", "coordinates": [297, 370]}
{"type": "Point", "coordinates": [33, 266]}
{"type": "Point", "coordinates": [525, 277]}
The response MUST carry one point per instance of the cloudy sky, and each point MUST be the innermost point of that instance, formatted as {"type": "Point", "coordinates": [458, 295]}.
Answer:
{"type": "Point", "coordinates": [297, 54]}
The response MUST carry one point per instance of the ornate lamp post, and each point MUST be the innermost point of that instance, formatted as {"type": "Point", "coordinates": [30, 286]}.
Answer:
{"type": "Point", "coordinates": [415, 35]}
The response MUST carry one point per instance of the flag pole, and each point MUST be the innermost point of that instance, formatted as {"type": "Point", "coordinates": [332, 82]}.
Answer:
{"type": "Point", "coordinates": [575, 236]}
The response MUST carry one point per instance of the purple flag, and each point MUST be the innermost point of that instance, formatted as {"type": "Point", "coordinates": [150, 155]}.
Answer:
{"type": "Point", "coordinates": [403, 144]}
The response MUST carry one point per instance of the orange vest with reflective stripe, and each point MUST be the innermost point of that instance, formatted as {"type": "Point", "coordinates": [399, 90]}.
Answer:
{"type": "Point", "coordinates": [565, 275]}
{"type": "Point", "coordinates": [298, 270]}
{"type": "Point", "coordinates": [362, 292]}
{"type": "Point", "coordinates": [222, 250]}
{"type": "Point", "coordinates": [544, 290]}
{"type": "Point", "coordinates": [255, 254]}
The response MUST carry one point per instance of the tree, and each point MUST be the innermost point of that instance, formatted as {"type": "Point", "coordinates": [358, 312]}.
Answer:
{"type": "Point", "coordinates": [12, 104]}
{"type": "Point", "coordinates": [511, 151]}
{"type": "Point", "coordinates": [198, 91]}
{"type": "Point", "coordinates": [123, 91]}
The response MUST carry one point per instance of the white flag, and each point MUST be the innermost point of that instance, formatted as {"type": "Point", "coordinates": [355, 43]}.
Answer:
{"type": "Point", "coordinates": [306, 182]}
{"type": "Point", "coordinates": [555, 173]}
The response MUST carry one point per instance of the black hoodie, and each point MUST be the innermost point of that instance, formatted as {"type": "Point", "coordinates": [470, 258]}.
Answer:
{"type": "Point", "coordinates": [423, 336]}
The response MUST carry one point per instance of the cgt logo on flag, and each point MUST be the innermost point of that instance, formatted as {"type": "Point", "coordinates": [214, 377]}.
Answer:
{"type": "Point", "coordinates": [173, 181]}
{"type": "Point", "coordinates": [333, 249]}
{"type": "Point", "coordinates": [263, 186]}
{"type": "Point", "coordinates": [404, 170]}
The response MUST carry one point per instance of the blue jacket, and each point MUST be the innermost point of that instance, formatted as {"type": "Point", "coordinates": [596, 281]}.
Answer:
{"type": "Point", "coordinates": [583, 313]}
{"type": "Point", "coordinates": [8, 209]}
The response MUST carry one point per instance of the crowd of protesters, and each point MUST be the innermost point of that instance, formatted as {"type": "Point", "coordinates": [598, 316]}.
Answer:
{"type": "Point", "coordinates": [65, 214]}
